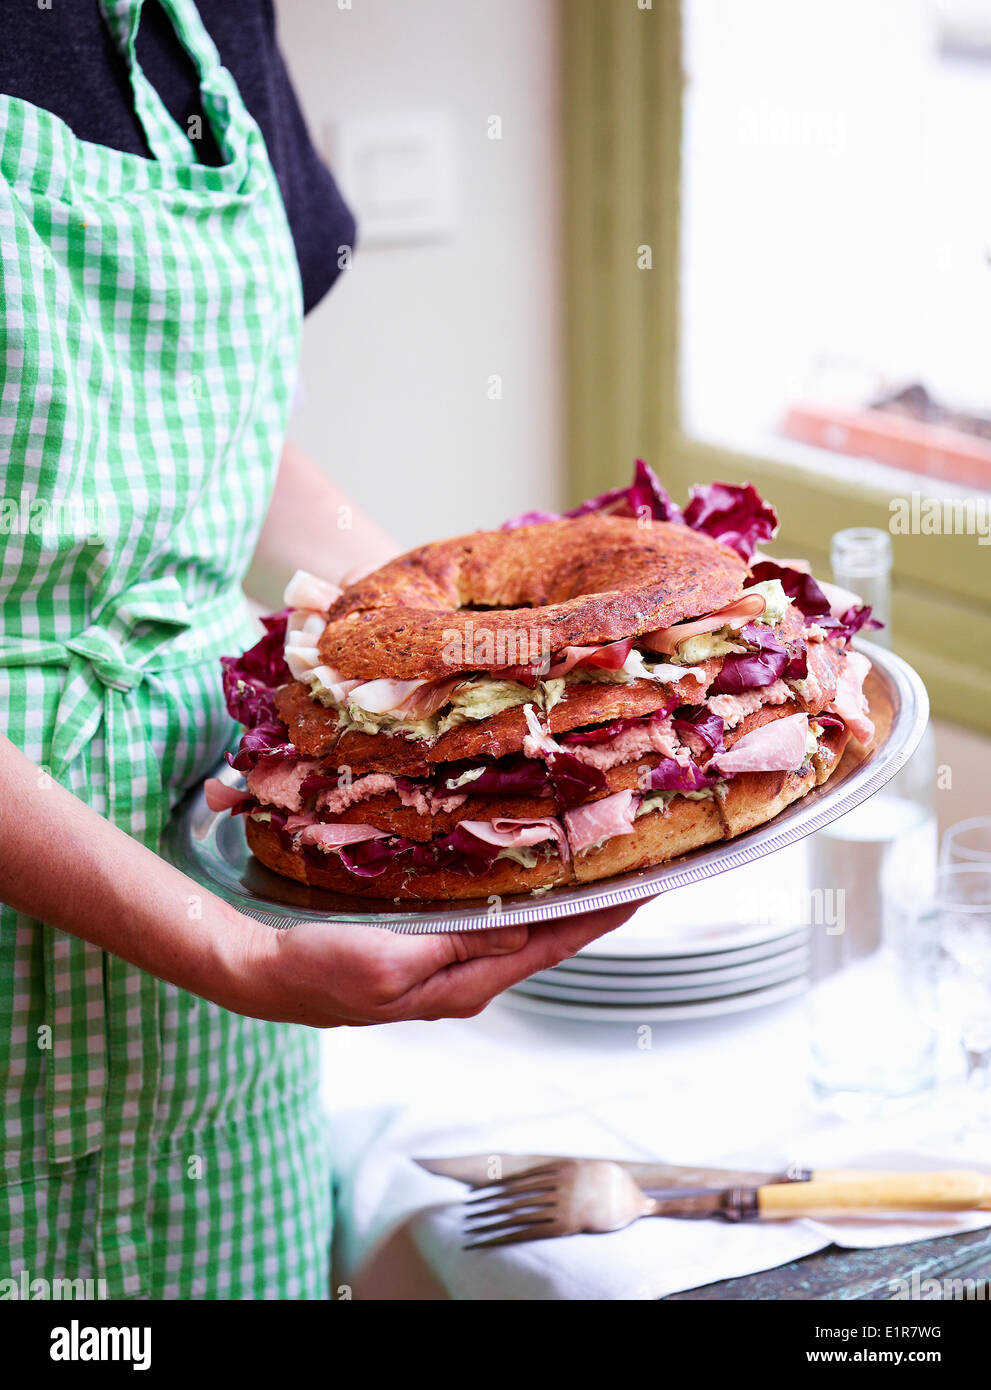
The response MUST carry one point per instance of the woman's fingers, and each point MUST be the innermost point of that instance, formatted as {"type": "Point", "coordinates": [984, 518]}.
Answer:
{"type": "Point", "coordinates": [465, 986]}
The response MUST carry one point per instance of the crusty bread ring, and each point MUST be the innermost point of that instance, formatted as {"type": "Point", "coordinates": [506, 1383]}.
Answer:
{"type": "Point", "coordinates": [588, 580]}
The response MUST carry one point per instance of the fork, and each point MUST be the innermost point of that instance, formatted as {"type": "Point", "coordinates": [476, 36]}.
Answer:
{"type": "Point", "coordinates": [568, 1196]}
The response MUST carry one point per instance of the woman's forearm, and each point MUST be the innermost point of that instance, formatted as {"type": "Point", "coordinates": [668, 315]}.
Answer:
{"type": "Point", "coordinates": [62, 863]}
{"type": "Point", "coordinates": [311, 525]}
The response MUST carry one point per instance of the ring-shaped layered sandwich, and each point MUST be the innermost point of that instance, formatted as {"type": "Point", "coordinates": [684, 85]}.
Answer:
{"type": "Point", "coordinates": [559, 701]}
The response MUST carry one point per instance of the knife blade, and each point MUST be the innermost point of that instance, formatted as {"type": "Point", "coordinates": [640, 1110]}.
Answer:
{"type": "Point", "coordinates": [479, 1170]}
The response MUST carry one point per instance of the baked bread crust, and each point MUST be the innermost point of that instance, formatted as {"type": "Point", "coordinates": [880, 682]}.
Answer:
{"type": "Point", "coordinates": [593, 579]}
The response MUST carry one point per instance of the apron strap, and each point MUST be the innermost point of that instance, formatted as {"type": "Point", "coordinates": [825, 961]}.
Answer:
{"type": "Point", "coordinates": [222, 103]}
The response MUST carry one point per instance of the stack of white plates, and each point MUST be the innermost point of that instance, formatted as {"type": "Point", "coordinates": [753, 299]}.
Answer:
{"type": "Point", "coordinates": [736, 941]}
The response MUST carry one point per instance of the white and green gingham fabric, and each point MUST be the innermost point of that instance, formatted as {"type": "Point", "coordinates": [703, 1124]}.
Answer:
{"type": "Point", "coordinates": [150, 326]}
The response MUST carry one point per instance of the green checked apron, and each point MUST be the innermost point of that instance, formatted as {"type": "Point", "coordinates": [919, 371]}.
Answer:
{"type": "Point", "coordinates": [150, 321]}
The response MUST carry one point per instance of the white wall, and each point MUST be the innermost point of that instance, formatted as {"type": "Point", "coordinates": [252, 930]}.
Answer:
{"type": "Point", "coordinates": [397, 358]}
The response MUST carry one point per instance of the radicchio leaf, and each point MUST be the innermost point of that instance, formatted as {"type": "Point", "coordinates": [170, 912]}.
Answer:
{"type": "Point", "coordinates": [737, 516]}
{"type": "Point", "coordinates": [514, 777]}
{"type": "Point", "coordinates": [700, 721]}
{"type": "Point", "coordinates": [671, 776]}
{"type": "Point", "coordinates": [645, 496]}
{"type": "Point", "coordinates": [800, 586]}
{"type": "Point", "coordinates": [852, 621]}
{"type": "Point", "coordinates": [269, 741]}
{"type": "Point", "coordinates": [529, 519]}
{"type": "Point", "coordinates": [251, 679]}
{"type": "Point", "coordinates": [602, 733]}
{"type": "Point", "coordinates": [370, 858]}
{"type": "Point", "coordinates": [752, 670]}
{"type": "Point", "coordinates": [829, 720]}
{"type": "Point", "coordinates": [573, 780]}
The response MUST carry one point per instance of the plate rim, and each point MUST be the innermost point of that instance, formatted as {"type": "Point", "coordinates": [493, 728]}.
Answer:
{"type": "Point", "coordinates": [566, 1012]}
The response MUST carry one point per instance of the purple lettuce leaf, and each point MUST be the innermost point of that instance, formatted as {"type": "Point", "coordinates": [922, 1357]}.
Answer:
{"type": "Point", "coordinates": [459, 851]}
{"type": "Point", "coordinates": [574, 781]}
{"type": "Point", "coordinates": [829, 720]}
{"type": "Point", "coordinates": [268, 741]}
{"type": "Point", "coordinates": [370, 858]}
{"type": "Point", "coordinates": [671, 776]}
{"type": "Point", "coordinates": [514, 777]}
{"type": "Point", "coordinates": [251, 679]}
{"type": "Point", "coordinates": [851, 622]}
{"type": "Point", "coordinates": [737, 516]}
{"type": "Point", "coordinates": [602, 733]}
{"type": "Point", "coordinates": [645, 496]}
{"type": "Point", "coordinates": [318, 782]}
{"type": "Point", "coordinates": [700, 720]}
{"type": "Point", "coordinates": [752, 670]}
{"type": "Point", "coordinates": [529, 519]}
{"type": "Point", "coordinates": [800, 587]}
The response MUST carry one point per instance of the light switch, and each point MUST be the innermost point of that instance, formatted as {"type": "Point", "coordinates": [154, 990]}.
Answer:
{"type": "Point", "coordinates": [397, 172]}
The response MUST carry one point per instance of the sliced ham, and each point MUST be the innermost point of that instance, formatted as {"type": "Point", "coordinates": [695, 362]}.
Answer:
{"type": "Point", "coordinates": [650, 736]}
{"type": "Point", "coordinates": [851, 702]}
{"type": "Point", "coordinates": [302, 661]}
{"type": "Point", "coordinates": [775, 747]}
{"type": "Point", "coordinates": [383, 696]}
{"type": "Point", "coordinates": [333, 681]}
{"type": "Point", "coordinates": [509, 833]}
{"type": "Point", "coordinates": [329, 837]}
{"type": "Point", "coordinates": [537, 743]}
{"type": "Point", "coordinates": [306, 590]}
{"type": "Point", "coordinates": [734, 708]}
{"type": "Point", "coordinates": [276, 782]}
{"type": "Point", "coordinates": [608, 657]}
{"type": "Point", "coordinates": [668, 639]}
{"type": "Point", "coordinates": [221, 797]}
{"type": "Point", "coordinates": [600, 820]}
{"type": "Point", "coordinates": [303, 628]}
{"type": "Point", "coordinates": [338, 799]}
{"type": "Point", "coordinates": [430, 697]}
{"type": "Point", "coordinates": [404, 699]}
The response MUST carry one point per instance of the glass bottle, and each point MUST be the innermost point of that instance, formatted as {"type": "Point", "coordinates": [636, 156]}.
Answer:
{"type": "Point", "coordinates": [870, 1012]}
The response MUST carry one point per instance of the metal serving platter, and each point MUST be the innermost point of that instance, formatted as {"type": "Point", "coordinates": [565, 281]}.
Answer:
{"type": "Point", "coordinates": [210, 846]}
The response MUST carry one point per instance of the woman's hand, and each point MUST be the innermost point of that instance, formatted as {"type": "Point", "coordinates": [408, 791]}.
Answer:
{"type": "Point", "coordinates": [62, 863]}
{"type": "Point", "coordinates": [345, 973]}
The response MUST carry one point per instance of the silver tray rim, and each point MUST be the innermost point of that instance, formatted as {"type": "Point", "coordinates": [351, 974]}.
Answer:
{"type": "Point", "coordinates": [190, 843]}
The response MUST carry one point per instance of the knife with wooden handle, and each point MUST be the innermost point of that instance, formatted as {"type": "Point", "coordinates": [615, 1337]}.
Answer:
{"type": "Point", "coordinates": [479, 1170]}
{"type": "Point", "coordinates": [842, 1196]}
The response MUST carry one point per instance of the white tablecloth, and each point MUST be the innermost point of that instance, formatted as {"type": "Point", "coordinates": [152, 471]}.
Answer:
{"type": "Point", "coordinates": [727, 1091]}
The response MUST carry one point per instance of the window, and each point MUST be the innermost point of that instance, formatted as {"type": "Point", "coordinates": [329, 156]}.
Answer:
{"type": "Point", "coordinates": [836, 232]}
{"type": "Point", "coordinates": [777, 243]}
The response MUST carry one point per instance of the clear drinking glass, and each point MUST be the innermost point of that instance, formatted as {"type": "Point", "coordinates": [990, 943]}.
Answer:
{"type": "Point", "coordinates": [967, 842]}
{"type": "Point", "coordinates": [871, 1005]}
{"type": "Point", "coordinates": [872, 1037]}
{"type": "Point", "coordinates": [958, 911]}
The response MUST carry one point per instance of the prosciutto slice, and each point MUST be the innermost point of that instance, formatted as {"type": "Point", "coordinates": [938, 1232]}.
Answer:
{"type": "Point", "coordinates": [328, 837]}
{"type": "Point", "coordinates": [384, 696]}
{"type": "Point", "coordinates": [306, 590]}
{"type": "Point", "coordinates": [851, 702]}
{"type": "Point", "coordinates": [667, 640]}
{"type": "Point", "coordinates": [221, 797]}
{"type": "Point", "coordinates": [608, 657]}
{"type": "Point", "coordinates": [775, 747]}
{"type": "Point", "coordinates": [509, 833]}
{"type": "Point", "coordinates": [600, 820]}
{"type": "Point", "coordinates": [404, 699]}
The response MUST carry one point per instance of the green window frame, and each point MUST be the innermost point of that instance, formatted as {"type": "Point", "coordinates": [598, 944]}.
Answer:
{"type": "Point", "coordinates": [622, 119]}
